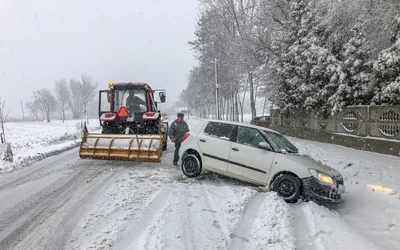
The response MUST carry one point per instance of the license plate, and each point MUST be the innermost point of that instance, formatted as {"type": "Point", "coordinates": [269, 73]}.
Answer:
{"type": "Point", "coordinates": [130, 119]}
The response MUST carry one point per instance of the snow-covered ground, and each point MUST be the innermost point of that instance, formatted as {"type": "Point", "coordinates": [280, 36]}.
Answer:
{"type": "Point", "coordinates": [63, 202]}
{"type": "Point", "coordinates": [31, 141]}
{"type": "Point", "coordinates": [371, 204]}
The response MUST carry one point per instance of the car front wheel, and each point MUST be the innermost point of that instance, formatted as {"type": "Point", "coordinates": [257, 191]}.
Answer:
{"type": "Point", "coordinates": [191, 166]}
{"type": "Point", "coordinates": [288, 187]}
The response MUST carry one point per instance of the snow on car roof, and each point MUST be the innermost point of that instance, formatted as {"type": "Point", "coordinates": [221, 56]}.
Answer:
{"type": "Point", "coordinates": [243, 125]}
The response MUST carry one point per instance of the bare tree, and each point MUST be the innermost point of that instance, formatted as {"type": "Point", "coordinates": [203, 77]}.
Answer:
{"type": "Point", "coordinates": [3, 119]}
{"type": "Point", "coordinates": [34, 107]}
{"type": "Point", "coordinates": [87, 93]}
{"type": "Point", "coordinates": [74, 101]}
{"type": "Point", "coordinates": [46, 101]}
{"type": "Point", "coordinates": [63, 96]}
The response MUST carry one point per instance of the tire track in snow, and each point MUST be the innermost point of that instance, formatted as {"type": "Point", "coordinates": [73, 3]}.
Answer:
{"type": "Point", "coordinates": [240, 237]}
{"type": "Point", "coordinates": [187, 222]}
{"type": "Point", "coordinates": [137, 230]}
{"type": "Point", "coordinates": [37, 170]}
{"type": "Point", "coordinates": [317, 227]}
{"type": "Point", "coordinates": [58, 222]}
{"type": "Point", "coordinates": [47, 218]}
{"type": "Point", "coordinates": [219, 221]}
{"type": "Point", "coordinates": [304, 228]}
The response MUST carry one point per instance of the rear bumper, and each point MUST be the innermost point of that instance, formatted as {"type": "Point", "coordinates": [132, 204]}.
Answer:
{"type": "Point", "coordinates": [315, 190]}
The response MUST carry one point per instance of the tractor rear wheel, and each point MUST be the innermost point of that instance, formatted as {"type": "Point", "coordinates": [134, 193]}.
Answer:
{"type": "Point", "coordinates": [152, 128]}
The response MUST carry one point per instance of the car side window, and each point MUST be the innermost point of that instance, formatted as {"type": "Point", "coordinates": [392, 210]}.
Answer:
{"type": "Point", "coordinates": [220, 130]}
{"type": "Point", "coordinates": [262, 118]}
{"type": "Point", "coordinates": [249, 136]}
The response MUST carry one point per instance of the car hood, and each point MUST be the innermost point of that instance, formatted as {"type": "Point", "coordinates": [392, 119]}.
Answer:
{"type": "Point", "coordinates": [309, 163]}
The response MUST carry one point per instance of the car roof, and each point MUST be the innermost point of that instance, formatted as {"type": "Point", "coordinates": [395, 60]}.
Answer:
{"type": "Point", "coordinates": [243, 125]}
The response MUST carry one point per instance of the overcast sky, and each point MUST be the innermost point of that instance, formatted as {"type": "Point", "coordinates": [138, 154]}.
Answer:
{"type": "Point", "coordinates": [110, 40]}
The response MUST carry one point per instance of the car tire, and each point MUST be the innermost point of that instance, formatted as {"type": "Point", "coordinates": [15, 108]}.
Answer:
{"type": "Point", "coordinates": [191, 165]}
{"type": "Point", "coordinates": [288, 187]}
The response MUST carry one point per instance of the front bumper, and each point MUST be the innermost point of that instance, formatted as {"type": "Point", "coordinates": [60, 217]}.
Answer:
{"type": "Point", "coordinates": [315, 190]}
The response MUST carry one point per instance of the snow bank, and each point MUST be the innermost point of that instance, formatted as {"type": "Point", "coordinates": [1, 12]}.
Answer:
{"type": "Point", "coordinates": [32, 141]}
{"type": "Point", "coordinates": [371, 204]}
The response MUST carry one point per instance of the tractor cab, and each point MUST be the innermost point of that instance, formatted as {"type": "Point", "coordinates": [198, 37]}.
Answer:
{"type": "Point", "coordinates": [129, 105]}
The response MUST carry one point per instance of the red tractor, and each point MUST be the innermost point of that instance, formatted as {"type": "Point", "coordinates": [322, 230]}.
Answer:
{"type": "Point", "coordinates": [132, 125]}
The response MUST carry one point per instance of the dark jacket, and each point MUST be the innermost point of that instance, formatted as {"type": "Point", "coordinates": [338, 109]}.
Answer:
{"type": "Point", "coordinates": [177, 130]}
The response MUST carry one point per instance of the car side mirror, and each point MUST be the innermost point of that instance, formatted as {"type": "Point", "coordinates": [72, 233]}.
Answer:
{"type": "Point", "coordinates": [162, 96]}
{"type": "Point", "coordinates": [264, 145]}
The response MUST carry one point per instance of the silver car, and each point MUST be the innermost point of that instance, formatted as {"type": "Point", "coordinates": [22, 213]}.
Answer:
{"type": "Point", "coordinates": [260, 156]}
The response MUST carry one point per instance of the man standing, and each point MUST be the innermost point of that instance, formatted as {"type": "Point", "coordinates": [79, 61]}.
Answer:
{"type": "Point", "coordinates": [134, 103]}
{"type": "Point", "coordinates": [176, 131]}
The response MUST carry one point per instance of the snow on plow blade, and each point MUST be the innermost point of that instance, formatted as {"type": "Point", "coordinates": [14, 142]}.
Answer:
{"type": "Point", "coordinates": [145, 148]}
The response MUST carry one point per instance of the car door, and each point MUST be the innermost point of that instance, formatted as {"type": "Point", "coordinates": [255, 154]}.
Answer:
{"type": "Point", "coordinates": [247, 159]}
{"type": "Point", "coordinates": [215, 145]}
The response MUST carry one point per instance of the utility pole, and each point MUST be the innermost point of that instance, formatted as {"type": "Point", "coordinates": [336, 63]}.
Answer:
{"type": "Point", "coordinates": [216, 87]}
{"type": "Point", "coordinates": [23, 116]}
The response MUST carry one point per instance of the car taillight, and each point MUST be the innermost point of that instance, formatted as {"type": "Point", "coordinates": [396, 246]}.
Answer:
{"type": "Point", "coordinates": [185, 136]}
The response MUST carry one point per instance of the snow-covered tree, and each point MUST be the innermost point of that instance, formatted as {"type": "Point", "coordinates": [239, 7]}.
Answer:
{"type": "Point", "coordinates": [35, 108]}
{"type": "Point", "coordinates": [310, 74]}
{"type": "Point", "coordinates": [63, 96]}
{"type": "Point", "coordinates": [46, 100]}
{"type": "Point", "coordinates": [3, 119]}
{"type": "Point", "coordinates": [357, 65]}
{"type": "Point", "coordinates": [387, 71]}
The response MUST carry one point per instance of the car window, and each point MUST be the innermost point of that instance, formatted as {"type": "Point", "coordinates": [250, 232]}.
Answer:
{"type": "Point", "coordinates": [280, 142]}
{"type": "Point", "coordinates": [262, 118]}
{"type": "Point", "coordinates": [249, 136]}
{"type": "Point", "coordinates": [220, 130]}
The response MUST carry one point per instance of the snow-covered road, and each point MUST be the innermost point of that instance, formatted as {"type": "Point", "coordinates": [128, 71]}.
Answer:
{"type": "Point", "coordinates": [63, 202]}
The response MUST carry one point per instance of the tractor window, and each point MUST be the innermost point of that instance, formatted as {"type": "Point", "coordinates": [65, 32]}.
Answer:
{"type": "Point", "coordinates": [133, 100]}
{"type": "Point", "coordinates": [104, 103]}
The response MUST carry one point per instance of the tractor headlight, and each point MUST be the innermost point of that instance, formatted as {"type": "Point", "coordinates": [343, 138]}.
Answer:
{"type": "Point", "coordinates": [321, 176]}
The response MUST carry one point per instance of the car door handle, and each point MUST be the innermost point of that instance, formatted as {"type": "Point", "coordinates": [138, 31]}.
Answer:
{"type": "Point", "coordinates": [235, 149]}
{"type": "Point", "coordinates": [202, 140]}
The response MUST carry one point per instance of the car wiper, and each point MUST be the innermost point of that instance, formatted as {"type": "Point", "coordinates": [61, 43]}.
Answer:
{"type": "Point", "coordinates": [286, 150]}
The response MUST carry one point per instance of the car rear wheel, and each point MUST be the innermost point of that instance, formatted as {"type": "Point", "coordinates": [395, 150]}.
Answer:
{"type": "Point", "coordinates": [191, 166]}
{"type": "Point", "coordinates": [288, 187]}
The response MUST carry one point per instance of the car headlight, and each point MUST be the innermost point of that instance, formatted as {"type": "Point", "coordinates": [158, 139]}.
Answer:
{"type": "Point", "coordinates": [322, 177]}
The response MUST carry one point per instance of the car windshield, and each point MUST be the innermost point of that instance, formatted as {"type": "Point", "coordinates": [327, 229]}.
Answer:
{"type": "Point", "coordinates": [283, 144]}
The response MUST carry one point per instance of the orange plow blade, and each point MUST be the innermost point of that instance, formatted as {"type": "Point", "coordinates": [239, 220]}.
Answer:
{"type": "Point", "coordinates": [144, 148]}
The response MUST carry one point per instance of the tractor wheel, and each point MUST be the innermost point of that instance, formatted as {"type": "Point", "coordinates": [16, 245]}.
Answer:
{"type": "Point", "coordinates": [153, 128]}
{"type": "Point", "coordinates": [164, 148]}
{"type": "Point", "coordinates": [108, 130]}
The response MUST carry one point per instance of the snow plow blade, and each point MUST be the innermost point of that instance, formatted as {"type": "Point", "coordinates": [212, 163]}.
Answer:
{"type": "Point", "coordinates": [144, 148]}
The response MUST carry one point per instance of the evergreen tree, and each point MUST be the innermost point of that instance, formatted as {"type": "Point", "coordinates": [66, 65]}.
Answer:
{"type": "Point", "coordinates": [387, 71]}
{"type": "Point", "coordinates": [309, 73]}
{"type": "Point", "coordinates": [358, 68]}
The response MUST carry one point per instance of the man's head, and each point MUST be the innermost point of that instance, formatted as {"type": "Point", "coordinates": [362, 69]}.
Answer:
{"type": "Point", "coordinates": [180, 116]}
